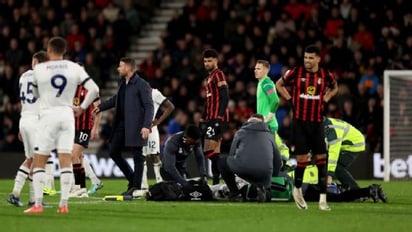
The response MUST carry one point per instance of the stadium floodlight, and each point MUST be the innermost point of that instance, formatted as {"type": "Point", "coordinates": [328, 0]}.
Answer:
{"type": "Point", "coordinates": [397, 118]}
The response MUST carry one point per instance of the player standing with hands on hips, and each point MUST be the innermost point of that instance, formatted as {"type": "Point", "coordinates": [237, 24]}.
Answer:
{"type": "Point", "coordinates": [152, 149]}
{"type": "Point", "coordinates": [216, 112]}
{"type": "Point", "coordinates": [311, 87]}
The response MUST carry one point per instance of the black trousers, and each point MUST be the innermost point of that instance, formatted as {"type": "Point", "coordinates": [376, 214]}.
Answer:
{"type": "Point", "coordinates": [311, 193]}
{"type": "Point", "coordinates": [228, 175]}
{"type": "Point", "coordinates": [115, 152]}
{"type": "Point", "coordinates": [342, 173]}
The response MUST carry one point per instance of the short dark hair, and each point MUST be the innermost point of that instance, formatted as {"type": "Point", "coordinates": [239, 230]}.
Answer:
{"type": "Point", "coordinates": [41, 56]}
{"type": "Point", "coordinates": [312, 49]}
{"type": "Point", "coordinates": [265, 63]}
{"type": "Point", "coordinates": [192, 131]}
{"type": "Point", "coordinates": [259, 116]}
{"type": "Point", "coordinates": [210, 53]}
{"type": "Point", "coordinates": [58, 45]}
{"type": "Point", "coordinates": [129, 61]}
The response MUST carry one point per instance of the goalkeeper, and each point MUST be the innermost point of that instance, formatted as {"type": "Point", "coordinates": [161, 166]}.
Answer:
{"type": "Point", "coordinates": [267, 103]}
{"type": "Point", "coordinates": [345, 143]}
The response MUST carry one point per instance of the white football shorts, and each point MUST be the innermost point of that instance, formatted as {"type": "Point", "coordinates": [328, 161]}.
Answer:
{"type": "Point", "coordinates": [28, 125]}
{"type": "Point", "coordinates": [153, 143]}
{"type": "Point", "coordinates": [56, 130]}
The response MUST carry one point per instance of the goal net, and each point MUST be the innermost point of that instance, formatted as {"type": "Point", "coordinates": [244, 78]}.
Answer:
{"type": "Point", "coordinates": [397, 133]}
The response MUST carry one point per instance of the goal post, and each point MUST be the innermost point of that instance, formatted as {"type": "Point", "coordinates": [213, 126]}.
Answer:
{"type": "Point", "coordinates": [397, 120]}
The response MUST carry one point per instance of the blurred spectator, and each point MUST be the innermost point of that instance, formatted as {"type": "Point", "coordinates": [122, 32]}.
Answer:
{"type": "Point", "coordinates": [370, 81]}
{"type": "Point", "coordinates": [10, 128]}
{"type": "Point", "coordinates": [364, 38]}
{"type": "Point", "coordinates": [243, 111]}
{"type": "Point", "coordinates": [333, 24]}
{"type": "Point", "coordinates": [121, 32]}
{"type": "Point", "coordinates": [348, 112]}
{"type": "Point", "coordinates": [284, 23]}
{"type": "Point", "coordinates": [131, 15]}
{"type": "Point", "coordinates": [111, 12]}
{"type": "Point", "coordinates": [352, 35]}
{"type": "Point", "coordinates": [177, 123]}
{"type": "Point", "coordinates": [9, 83]}
{"type": "Point", "coordinates": [275, 67]}
{"type": "Point", "coordinates": [149, 66]}
{"type": "Point", "coordinates": [374, 128]}
{"type": "Point", "coordinates": [14, 55]}
{"type": "Point", "coordinates": [75, 36]}
{"type": "Point", "coordinates": [92, 69]}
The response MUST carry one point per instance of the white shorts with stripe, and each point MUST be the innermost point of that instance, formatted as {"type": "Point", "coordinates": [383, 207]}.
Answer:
{"type": "Point", "coordinates": [153, 143]}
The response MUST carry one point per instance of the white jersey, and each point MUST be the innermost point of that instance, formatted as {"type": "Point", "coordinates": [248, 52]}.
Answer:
{"type": "Point", "coordinates": [57, 81]}
{"type": "Point", "coordinates": [158, 99]}
{"type": "Point", "coordinates": [29, 113]}
{"type": "Point", "coordinates": [29, 102]}
{"type": "Point", "coordinates": [153, 141]}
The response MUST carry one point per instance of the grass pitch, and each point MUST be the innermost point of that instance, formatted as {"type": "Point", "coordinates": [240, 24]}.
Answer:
{"type": "Point", "coordinates": [94, 214]}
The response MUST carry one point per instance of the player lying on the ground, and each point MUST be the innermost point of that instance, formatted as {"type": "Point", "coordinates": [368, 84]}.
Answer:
{"type": "Point", "coordinates": [335, 192]}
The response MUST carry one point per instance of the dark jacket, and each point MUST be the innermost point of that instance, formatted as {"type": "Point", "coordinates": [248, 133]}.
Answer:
{"type": "Point", "coordinates": [175, 155]}
{"type": "Point", "coordinates": [252, 150]}
{"type": "Point", "coordinates": [138, 107]}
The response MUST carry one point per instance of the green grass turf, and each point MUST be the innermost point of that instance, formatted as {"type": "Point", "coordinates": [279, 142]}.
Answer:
{"type": "Point", "coordinates": [94, 214]}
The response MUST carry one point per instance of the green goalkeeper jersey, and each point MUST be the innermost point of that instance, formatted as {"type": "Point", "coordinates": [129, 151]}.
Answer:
{"type": "Point", "coordinates": [267, 101]}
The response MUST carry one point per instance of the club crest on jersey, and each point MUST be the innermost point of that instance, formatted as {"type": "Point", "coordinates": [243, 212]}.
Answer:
{"type": "Point", "coordinates": [311, 90]}
{"type": "Point", "coordinates": [310, 93]}
{"type": "Point", "coordinates": [76, 101]}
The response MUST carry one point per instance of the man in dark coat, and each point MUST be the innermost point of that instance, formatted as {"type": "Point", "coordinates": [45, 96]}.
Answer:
{"type": "Point", "coordinates": [132, 121]}
{"type": "Point", "coordinates": [253, 157]}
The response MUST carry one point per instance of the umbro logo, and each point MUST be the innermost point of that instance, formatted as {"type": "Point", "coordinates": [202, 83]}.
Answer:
{"type": "Point", "coordinates": [195, 196]}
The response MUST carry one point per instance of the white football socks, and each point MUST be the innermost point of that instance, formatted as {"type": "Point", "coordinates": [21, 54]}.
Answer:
{"type": "Point", "coordinates": [144, 177]}
{"type": "Point", "coordinates": [156, 169]}
{"type": "Point", "coordinates": [38, 184]}
{"type": "Point", "coordinates": [20, 179]}
{"type": "Point", "coordinates": [49, 181]}
{"type": "Point", "coordinates": [66, 175]}
{"type": "Point", "coordinates": [89, 171]}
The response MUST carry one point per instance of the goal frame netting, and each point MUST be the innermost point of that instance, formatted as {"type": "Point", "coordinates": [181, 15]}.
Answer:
{"type": "Point", "coordinates": [386, 117]}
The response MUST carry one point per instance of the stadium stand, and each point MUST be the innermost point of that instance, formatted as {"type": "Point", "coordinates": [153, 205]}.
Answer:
{"type": "Point", "coordinates": [359, 39]}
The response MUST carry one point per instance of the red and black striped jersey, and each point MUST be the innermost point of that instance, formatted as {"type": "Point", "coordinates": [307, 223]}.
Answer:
{"type": "Point", "coordinates": [308, 90]}
{"type": "Point", "coordinates": [85, 120]}
{"type": "Point", "coordinates": [213, 98]}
